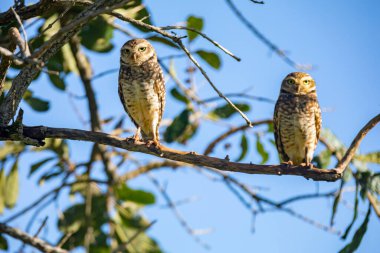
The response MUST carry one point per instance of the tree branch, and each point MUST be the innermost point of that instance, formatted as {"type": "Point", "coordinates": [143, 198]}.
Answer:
{"type": "Point", "coordinates": [264, 39]}
{"type": "Point", "coordinates": [342, 164]}
{"type": "Point", "coordinates": [35, 242]}
{"type": "Point", "coordinates": [48, 49]}
{"type": "Point", "coordinates": [225, 50]}
{"type": "Point", "coordinates": [41, 132]}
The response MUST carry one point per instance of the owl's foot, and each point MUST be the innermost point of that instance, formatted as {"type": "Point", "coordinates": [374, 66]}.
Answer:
{"type": "Point", "coordinates": [136, 137]}
{"type": "Point", "coordinates": [288, 163]}
{"type": "Point", "coordinates": [309, 165]}
{"type": "Point", "coordinates": [154, 143]}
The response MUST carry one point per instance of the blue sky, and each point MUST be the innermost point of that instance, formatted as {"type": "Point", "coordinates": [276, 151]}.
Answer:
{"type": "Point", "coordinates": [340, 38]}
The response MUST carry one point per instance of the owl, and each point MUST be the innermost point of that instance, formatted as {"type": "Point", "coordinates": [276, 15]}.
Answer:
{"type": "Point", "coordinates": [142, 88]}
{"type": "Point", "coordinates": [297, 119]}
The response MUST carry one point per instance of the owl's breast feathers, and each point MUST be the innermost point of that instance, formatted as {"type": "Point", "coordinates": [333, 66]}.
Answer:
{"type": "Point", "coordinates": [297, 123]}
{"type": "Point", "coordinates": [142, 93]}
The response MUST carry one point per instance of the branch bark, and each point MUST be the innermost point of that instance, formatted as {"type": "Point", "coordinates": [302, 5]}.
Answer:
{"type": "Point", "coordinates": [30, 240]}
{"type": "Point", "coordinates": [41, 132]}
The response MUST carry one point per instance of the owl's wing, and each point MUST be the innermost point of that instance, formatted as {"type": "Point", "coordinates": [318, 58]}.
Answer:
{"type": "Point", "coordinates": [159, 88]}
{"type": "Point", "coordinates": [120, 91]}
{"type": "Point", "coordinates": [277, 132]}
{"type": "Point", "coordinates": [318, 121]}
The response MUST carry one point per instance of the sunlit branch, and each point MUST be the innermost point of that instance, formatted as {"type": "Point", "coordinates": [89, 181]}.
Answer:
{"type": "Point", "coordinates": [40, 133]}
{"type": "Point", "coordinates": [30, 240]}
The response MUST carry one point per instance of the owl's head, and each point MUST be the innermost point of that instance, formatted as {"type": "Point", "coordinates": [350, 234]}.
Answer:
{"type": "Point", "coordinates": [137, 51]}
{"type": "Point", "coordinates": [298, 83]}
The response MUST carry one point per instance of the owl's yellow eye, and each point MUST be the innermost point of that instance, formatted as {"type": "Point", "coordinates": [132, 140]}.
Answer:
{"type": "Point", "coordinates": [290, 81]}
{"type": "Point", "coordinates": [307, 82]}
{"type": "Point", "coordinates": [142, 49]}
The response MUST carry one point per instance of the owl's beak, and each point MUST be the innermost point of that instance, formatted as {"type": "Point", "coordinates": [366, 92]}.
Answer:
{"type": "Point", "coordinates": [133, 57]}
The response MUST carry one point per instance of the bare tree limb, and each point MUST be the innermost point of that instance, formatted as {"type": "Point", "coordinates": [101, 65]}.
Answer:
{"type": "Point", "coordinates": [179, 217]}
{"type": "Point", "coordinates": [342, 164]}
{"type": "Point", "coordinates": [30, 240]}
{"type": "Point", "coordinates": [40, 133]}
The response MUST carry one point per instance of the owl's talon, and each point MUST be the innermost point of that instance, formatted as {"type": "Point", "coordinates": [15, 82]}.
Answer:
{"type": "Point", "coordinates": [308, 165]}
{"type": "Point", "coordinates": [288, 163]}
{"type": "Point", "coordinates": [153, 143]}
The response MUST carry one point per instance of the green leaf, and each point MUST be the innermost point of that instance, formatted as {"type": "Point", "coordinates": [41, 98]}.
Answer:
{"type": "Point", "coordinates": [74, 217]}
{"type": "Point", "coordinates": [358, 236]}
{"type": "Point", "coordinates": [12, 186]}
{"type": "Point", "coordinates": [195, 23]}
{"type": "Point", "coordinates": [97, 35]}
{"type": "Point", "coordinates": [3, 243]}
{"type": "Point", "coordinates": [210, 57]}
{"type": "Point", "coordinates": [162, 40]}
{"type": "Point", "coordinates": [37, 104]}
{"type": "Point", "coordinates": [178, 126]}
{"type": "Point", "coordinates": [179, 96]}
{"type": "Point", "coordinates": [2, 190]}
{"type": "Point", "coordinates": [244, 147]}
{"type": "Point", "coordinates": [226, 111]}
{"type": "Point", "coordinates": [10, 148]}
{"type": "Point", "coordinates": [260, 148]}
{"type": "Point", "coordinates": [127, 224]}
{"type": "Point", "coordinates": [369, 158]}
{"type": "Point", "coordinates": [123, 192]}
{"type": "Point", "coordinates": [39, 164]}
{"type": "Point", "coordinates": [356, 206]}
{"type": "Point", "coordinates": [58, 82]}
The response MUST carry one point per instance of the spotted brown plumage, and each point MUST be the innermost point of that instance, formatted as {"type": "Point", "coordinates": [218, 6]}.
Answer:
{"type": "Point", "coordinates": [297, 119]}
{"type": "Point", "coordinates": [142, 88]}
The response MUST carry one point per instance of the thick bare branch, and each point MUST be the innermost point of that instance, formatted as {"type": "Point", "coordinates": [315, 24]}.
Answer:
{"type": "Point", "coordinates": [40, 133]}
{"type": "Point", "coordinates": [30, 240]}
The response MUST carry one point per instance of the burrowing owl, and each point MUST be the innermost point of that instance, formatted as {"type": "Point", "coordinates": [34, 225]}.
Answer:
{"type": "Point", "coordinates": [142, 88]}
{"type": "Point", "coordinates": [297, 119]}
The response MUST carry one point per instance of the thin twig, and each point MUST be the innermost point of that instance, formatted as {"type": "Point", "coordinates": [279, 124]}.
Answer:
{"type": "Point", "coordinates": [123, 246]}
{"type": "Point", "coordinates": [232, 131]}
{"type": "Point", "coordinates": [24, 49]}
{"type": "Point", "coordinates": [43, 197]}
{"type": "Point", "coordinates": [241, 95]}
{"type": "Point", "coordinates": [35, 242]}
{"type": "Point", "coordinates": [225, 50]}
{"type": "Point", "coordinates": [265, 40]}
{"type": "Point", "coordinates": [172, 206]}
